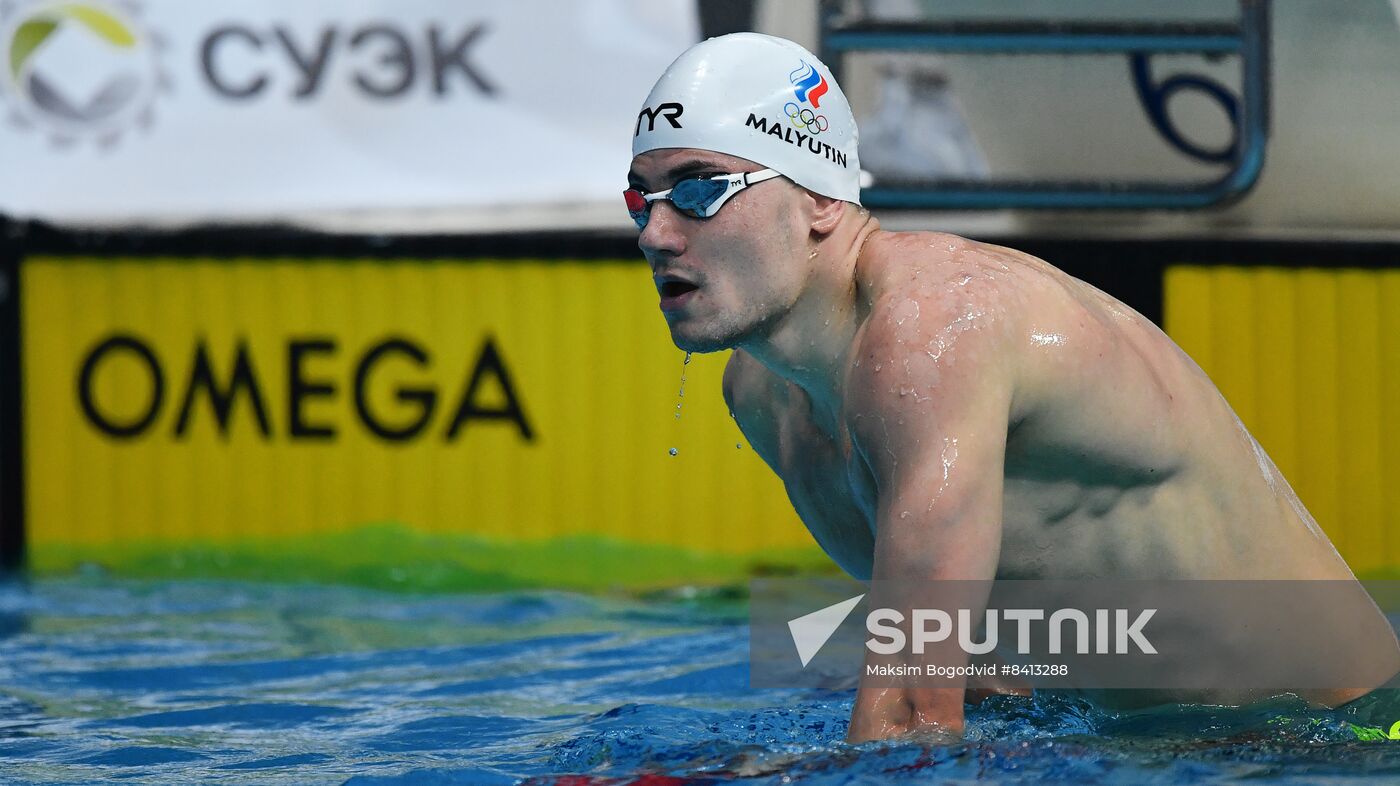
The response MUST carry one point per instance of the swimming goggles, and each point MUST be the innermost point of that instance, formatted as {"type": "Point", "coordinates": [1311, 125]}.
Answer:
{"type": "Point", "coordinates": [695, 196]}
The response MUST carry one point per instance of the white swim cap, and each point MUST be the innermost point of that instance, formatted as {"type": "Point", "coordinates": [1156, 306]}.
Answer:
{"type": "Point", "coordinates": [761, 98]}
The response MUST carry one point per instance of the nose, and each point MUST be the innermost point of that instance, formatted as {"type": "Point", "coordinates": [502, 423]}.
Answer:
{"type": "Point", "coordinates": [664, 233]}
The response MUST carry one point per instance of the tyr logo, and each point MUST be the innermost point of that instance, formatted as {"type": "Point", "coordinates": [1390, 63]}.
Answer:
{"type": "Point", "coordinates": [669, 110]}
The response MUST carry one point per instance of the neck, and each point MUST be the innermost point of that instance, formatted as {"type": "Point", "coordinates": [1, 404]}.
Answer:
{"type": "Point", "coordinates": [811, 343]}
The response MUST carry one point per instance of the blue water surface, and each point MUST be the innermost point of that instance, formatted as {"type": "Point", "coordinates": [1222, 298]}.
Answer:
{"type": "Point", "coordinates": [113, 681]}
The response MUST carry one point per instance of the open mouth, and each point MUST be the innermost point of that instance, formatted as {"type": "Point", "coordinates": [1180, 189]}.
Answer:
{"type": "Point", "coordinates": [676, 288]}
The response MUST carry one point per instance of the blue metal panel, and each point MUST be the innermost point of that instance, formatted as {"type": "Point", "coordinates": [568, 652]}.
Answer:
{"type": "Point", "coordinates": [1031, 43]}
{"type": "Point", "coordinates": [1249, 40]}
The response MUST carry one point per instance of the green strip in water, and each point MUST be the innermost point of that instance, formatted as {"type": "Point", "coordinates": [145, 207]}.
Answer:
{"type": "Point", "coordinates": [397, 557]}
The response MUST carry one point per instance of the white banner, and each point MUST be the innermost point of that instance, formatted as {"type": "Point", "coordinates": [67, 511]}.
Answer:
{"type": "Point", "coordinates": [171, 110]}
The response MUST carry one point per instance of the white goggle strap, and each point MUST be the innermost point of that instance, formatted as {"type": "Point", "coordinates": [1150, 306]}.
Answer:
{"type": "Point", "coordinates": [737, 184]}
{"type": "Point", "coordinates": [734, 186]}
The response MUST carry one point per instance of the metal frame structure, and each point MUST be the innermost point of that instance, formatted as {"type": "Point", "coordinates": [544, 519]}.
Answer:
{"type": "Point", "coordinates": [1248, 39]}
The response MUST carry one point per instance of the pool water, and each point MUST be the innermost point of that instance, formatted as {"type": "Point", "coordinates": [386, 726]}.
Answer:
{"type": "Point", "coordinates": [103, 680]}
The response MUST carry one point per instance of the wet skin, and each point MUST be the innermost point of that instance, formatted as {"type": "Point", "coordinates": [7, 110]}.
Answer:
{"type": "Point", "coordinates": [939, 408]}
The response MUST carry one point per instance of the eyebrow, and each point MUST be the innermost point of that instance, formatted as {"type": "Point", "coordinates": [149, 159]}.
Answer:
{"type": "Point", "coordinates": [677, 172]}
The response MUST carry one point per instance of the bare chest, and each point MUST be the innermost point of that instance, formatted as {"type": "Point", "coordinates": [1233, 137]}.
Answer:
{"type": "Point", "coordinates": [1066, 510]}
{"type": "Point", "coordinates": [831, 488]}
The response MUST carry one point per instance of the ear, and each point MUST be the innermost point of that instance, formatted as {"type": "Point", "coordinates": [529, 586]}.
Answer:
{"type": "Point", "coordinates": [826, 213]}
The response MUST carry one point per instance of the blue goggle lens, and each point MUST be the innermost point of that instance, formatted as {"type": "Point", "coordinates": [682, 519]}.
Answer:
{"type": "Point", "coordinates": [695, 196]}
{"type": "Point", "coordinates": [692, 196]}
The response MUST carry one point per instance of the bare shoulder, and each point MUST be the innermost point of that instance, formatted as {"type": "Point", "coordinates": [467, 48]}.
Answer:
{"type": "Point", "coordinates": [1076, 366]}
{"type": "Point", "coordinates": [941, 271]}
{"type": "Point", "coordinates": [938, 343]}
{"type": "Point", "coordinates": [940, 308]}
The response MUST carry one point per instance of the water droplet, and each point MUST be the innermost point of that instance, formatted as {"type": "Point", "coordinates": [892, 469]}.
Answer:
{"type": "Point", "coordinates": [673, 451]}
{"type": "Point", "coordinates": [681, 393]}
{"type": "Point", "coordinates": [737, 446]}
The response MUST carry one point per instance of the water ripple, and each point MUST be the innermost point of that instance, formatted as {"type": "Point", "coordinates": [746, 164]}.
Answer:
{"type": "Point", "coordinates": [178, 682]}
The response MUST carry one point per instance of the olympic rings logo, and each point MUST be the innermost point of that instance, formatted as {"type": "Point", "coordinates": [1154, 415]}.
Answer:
{"type": "Point", "coordinates": [803, 117]}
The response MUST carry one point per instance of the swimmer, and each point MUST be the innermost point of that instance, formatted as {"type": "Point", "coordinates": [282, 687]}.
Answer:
{"type": "Point", "coordinates": [940, 408]}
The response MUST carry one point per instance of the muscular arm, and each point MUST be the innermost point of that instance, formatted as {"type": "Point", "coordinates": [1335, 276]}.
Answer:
{"type": "Point", "coordinates": [928, 407]}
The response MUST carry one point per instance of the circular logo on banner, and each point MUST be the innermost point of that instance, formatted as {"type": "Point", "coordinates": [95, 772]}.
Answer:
{"type": "Point", "coordinates": [78, 70]}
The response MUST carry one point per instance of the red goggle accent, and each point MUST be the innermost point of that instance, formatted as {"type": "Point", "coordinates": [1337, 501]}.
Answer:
{"type": "Point", "coordinates": [635, 202]}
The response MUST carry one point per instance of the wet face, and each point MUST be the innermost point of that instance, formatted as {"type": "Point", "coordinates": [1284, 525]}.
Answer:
{"type": "Point", "coordinates": [722, 280]}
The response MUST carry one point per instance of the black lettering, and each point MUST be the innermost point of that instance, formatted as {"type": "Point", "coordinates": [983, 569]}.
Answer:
{"type": "Point", "coordinates": [489, 362]}
{"type": "Point", "coordinates": [313, 68]}
{"type": "Point", "coordinates": [242, 378]}
{"type": "Point", "coordinates": [398, 54]}
{"type": "Point", "coordinates": [211, 74]}
{"type": "Point", "coordinates": [669, 110]}
{"type": "Point", "coordinates": [775, 130]}
{"type": "Point", "coordinates": [840, 157]}
{"type": "Point", "coordinates": [443, 58]}
{"type": "Point", "coordinates": [815, 146]}
{"type": "Point", "coordinates": [89, 370]}
{"type": "Point", "coordinates": [299, 388]}
{"type": "Point", "coordinates": [425, 398]}
{"type": "Point", "coordinates": [801, 137]}
{"type": "Point", "coordinates": [754, 121]}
